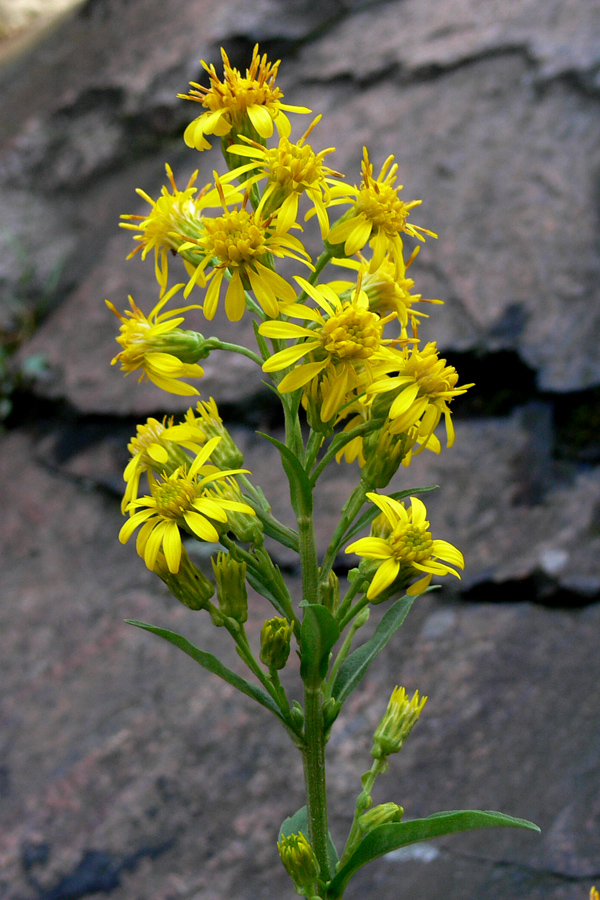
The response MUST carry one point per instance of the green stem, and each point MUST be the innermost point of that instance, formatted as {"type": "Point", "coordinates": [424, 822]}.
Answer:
{"type": "Point", "coordinates": [349, 512]}
{"type": "Point", "coordinates": [355, 587]}
{"type": "Point", "coordinates": [339, 441]}
{"type": "Point", "coordinates": [236, 348]}
{"type": "Point", "coordinates": [313, 446]}
{"type": "Point", "coordinates": [314, 777]}
{"type": "Point", "coordinates": [363, 802]}
{"type": "Point", "coordinates": [358, 607]}
{"type": "Point", "coordinates": [344, 650]}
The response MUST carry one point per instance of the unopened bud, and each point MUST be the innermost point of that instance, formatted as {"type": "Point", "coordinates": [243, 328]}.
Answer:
{"type": "Point", "coordinates": [189, 584]}
{"type": "Point", "coordinates": [232, 594]}
{"type": "Point", "coordinates": [384, 453]}
{"type": "Point", "coordinates": [330, 592]}
{"type": "Point", "coordinates": [383, 814]}
{"type": "Point", "coordinates": [275, 640]}
{"type": "Point", "coordinates": [397, 723]}
{"type": "Point", "coordinates": [227, 455]}
{"type": "Point", "coordinates": [299, 859]}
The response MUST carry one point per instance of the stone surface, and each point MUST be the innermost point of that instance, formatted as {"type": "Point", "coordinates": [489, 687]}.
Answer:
{"type": "Point", "coordinates": [126, 770]}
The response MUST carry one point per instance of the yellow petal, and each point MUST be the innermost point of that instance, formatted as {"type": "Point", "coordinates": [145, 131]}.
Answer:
{"type": "Point", "coordinates": [300, 376]}
{"type": "Point", "coordinates": [172, 546]}
{"type": "Point", "coordinates": [384, 576]}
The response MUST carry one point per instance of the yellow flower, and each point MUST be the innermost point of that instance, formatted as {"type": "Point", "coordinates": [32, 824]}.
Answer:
{"type": "Point", "coordinates": [291, 170]}
{"type": "Point", "coordinates": [158, 446]}
{"type": "Point", "coordinates": [378, 217]}
{"type": "Point", "coordinates": [250, 105]}
{"type": "Point", "coordinates": [181, 500]}
{"type": "Point", "coordinates": [346, 341]}
{"type": "Point", "coordinates": [408, 546]}
{"type": "Point", "coordinates": [387, 289]}
{"type": "Point", "coordinates": [424, 387]}
{"type": "Point", "coordinates": [594, 895]}
{"type": "Point", "coordinates": [174, 217]}
{"type": "Point", "coordinates": [155, 345]}
{"type": "Point", "coordinates": [397, 722]}
{"type": "Point", "coordinates": [240, 241]}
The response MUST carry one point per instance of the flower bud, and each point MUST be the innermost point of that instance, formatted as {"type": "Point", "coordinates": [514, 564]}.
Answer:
{"type": "Point", "coordinates": [231, 586]}
{"type": "Point", "coordinates": [227, 455]}
{"type": "Point", "coordinates": [384, 453]}
{"type": "Point", "coordinates": [383, 814]}
{"type": "Point", "coordinates": [299, 859]}
{"type": "Point", "coordinates": [275, 639]}
{"type": "Point", "coordinates": [396, 723]}
{"type": "Point", "coordinates": [330, 592]}
{"type": "Point", "coordinates": [189, 584]}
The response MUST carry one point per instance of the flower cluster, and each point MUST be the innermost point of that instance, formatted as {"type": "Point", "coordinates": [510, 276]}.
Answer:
{"type": "Point", "coordinates": [339, 340]}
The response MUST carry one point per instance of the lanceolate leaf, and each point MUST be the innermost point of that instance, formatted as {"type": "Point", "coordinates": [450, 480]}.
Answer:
{"type": "Point", "coordinates": [214, 665]}
{"type": "Point", "coordinates": [369, 514]}
{"type": "Point", "coordinates": [300, 486]}
{"type": "Point", "coordinates": [299, 822]}
{"type": "Point", "coordinates": [385, 838]}
{"type": "Point", "coordinates": [318, 635]}
{"type": "Point", "coordinates": [261, 588]}
{"type": "Point", "coordinates": [355, 666]}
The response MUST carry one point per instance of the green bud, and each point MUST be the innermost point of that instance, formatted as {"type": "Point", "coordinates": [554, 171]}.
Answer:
{"type": "Point", "coordinates": [384, 453]}
{"type": "Point", "coordinates": [231, 586]}
{"type": "Point", "coordinates": [383, 814]}
{"type": "Point", "coordinates": [331, 709]}
{"type": "Point", "coordinates": [297, 714]}
{"type": "Point", "coordinates": [299, 859]}
{"type": "Point", "coordinates": [275, 640]}
{"type": "Point", "coordinates": [397, 723]}
{"type": "Point", "coordinates": [330, 592]}
{"type": "Point", "coordinates": [226, 455]}
{"type": "Point", "coordinates": [186, 346]}
{"type": "Point", "coordinates": [189, 584]}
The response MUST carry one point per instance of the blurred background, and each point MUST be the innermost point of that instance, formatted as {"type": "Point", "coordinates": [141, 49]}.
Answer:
{"type": "Point", "coordinates": [124, 769]}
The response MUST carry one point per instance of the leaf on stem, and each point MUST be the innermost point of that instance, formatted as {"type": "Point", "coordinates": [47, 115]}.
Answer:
{"type": "Point", "coordinates": [355, 666]}
{"type": "Point", "coordinates": [318, 635]}
{"type": "Point", "coordinates": [385, 838]}
{"type": "Point", "coordinates": [214, 665]}
{"type": "Point", "coordinates": [300, 486]}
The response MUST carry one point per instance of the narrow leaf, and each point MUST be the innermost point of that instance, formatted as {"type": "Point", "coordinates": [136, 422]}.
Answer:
{"type": "Point", "coordinates": [261, 588]}
{"type": "Point", "coordinates": [385, 838]}
{"type": "Point", "coordinates": [300, 485]}
{"type": "Point", "coordinates": [214, 665]}
{"type": "Point", "coordinates": [368, 516]}
{"type": "Point", "coordinates": [318, 635]}
{"type": "Point", "coordinates": [354, 668]}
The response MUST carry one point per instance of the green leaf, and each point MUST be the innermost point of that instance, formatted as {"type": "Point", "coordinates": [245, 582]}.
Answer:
{"type": "Point", "coordinates": [300, 486]}
{"type": "Point", "coordinates": [299, 823]}
{"type": "Point", "coordinates": [318, 634]}
{"type": "Point", "coordinates": [355, 666]}
{"type": "Point", "coordinates": [368, 516]}
{"type": "Point", "coordinates": [214, 665]}
{"type": "Point", "coordinates": [264, 590]}
{"type": "Point", "coordinates": [385, 838]}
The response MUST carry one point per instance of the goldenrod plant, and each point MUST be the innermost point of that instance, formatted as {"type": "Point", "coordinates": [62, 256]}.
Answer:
{"type": "Point", "coordinates": [340, 343]}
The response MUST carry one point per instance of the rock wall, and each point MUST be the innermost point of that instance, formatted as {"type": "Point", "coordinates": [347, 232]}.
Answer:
{"type": "Point", "coordinates": [123, 770]}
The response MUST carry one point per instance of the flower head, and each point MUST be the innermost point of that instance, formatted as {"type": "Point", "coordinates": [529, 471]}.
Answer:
{"type": "Point", "coordinates": [291, 169]}
{"type": "Point", "coordinates": [158, 347]}
{"type": "Point", "coordinates": [408, 548]}
{"type": "Point", "coordinates": [181, 500]}
{"type": "Point", "coordinates": [299, 859]}
{"type": "Point", "coordinates": [344, 342]}
{"type": "Point", "coordinates": [249, 104]}
{"type": "Point", "coordinates": [378, 217]}
{"type": "Point", "coordinates": [387, 289]}
{"type": "Point", "coordinates": [397, 722]}
{"type": "Point", "coordinates": [423, 388]}
{"type": "Point", "coordinates": [159, 446]}
{"type": "Point", "coordinates": [174, 218]}
{"type": "Point", "coordinates": [240, 241]}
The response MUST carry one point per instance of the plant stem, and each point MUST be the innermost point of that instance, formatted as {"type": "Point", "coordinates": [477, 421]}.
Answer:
{"type": "Point", "coordinates": [314, 776]}
{"type": "Point", "coordinates": [363, 802]}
